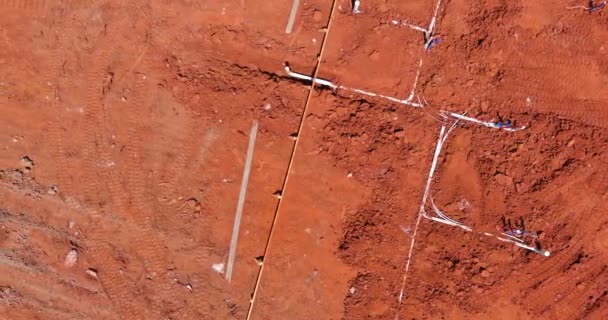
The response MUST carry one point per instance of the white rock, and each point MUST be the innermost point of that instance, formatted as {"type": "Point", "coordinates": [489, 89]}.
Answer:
{"type": "Point", "coordinates": [71, 258]}
{"type": "Point", "coordinates": [218, 267]}
{"type": "Point", "coordinates": [92, 273]}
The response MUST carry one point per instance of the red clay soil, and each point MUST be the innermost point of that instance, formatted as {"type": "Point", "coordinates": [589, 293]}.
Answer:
{"type": "Point", "coordinates": [124, 127]}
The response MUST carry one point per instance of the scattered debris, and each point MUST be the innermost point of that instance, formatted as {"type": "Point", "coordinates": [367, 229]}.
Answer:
{"type": "Point", "coordinates": [278, 194]}
{"type": "Point", "coordinates": [71, 258]}
{"type": "Point", "coordinates": [218, 267]}
{"type": "Point", "coordinates": [407, 230]}
{"type": "Point", "coordinates": [92, 273]}
{"type": "Point", "coordinates": [105, 163]}
{"type": "Point", "coordinates": [107, 83]}
{"type": "Point", "coordinates": [27, 163]}
{"type": "Point", "coordinates": [312, 276]}
{"type": "Point", "coordinates": [463, 204]}
{"type": "Point", "coordinates": [259, 260]}
{"type": "Point", "coordinates": [53, 190]}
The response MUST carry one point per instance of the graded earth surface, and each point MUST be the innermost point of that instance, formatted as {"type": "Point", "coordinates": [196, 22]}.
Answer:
{"type": "Point", "coordinates": [125, 128]}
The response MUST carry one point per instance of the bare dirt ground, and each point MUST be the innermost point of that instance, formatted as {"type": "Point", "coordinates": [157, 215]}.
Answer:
{"type": "Point", "coordinates": [125, 126]}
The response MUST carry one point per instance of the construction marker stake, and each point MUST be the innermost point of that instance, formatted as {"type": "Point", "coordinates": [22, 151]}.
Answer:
{"type": "Point", "coordinates": [433, 41]}
{"type": "Point", "coordinates": [409, 25]}
{"type": "Point", "coordinates": [507, 126]}
{"type": "Point", "coordinates": [336, 87]}
{"type": "Point", "coordinates": [598, 6]}
{"type": "Point", "coordinates": [292, 16]}
{"type": "Point", "coordinates": [309, 78]}
{"type": "Point", "coordinates": [356, 5]}
{"type": "Point", "coordinates": [591, 8]}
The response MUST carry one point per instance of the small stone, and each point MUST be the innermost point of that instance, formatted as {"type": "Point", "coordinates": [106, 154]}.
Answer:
{"type": "Point", "coordinates": [218, 267]}
{"type": "Point", "coordinates": [92, 273]}
{"type": "Point", "coordinates": [27, 163]}
{"type": "Point", "coordinates": [504, 180]}
{"type": "Point", "coordinates": [349, 175]}
{"type": "Point", "coordinates": [71, 224]}
{"type": "Point", "coordinates": [485, 273]}
{"type": "Point", "coordinates": [570, 143]}
{"type": "Point", "coordinates": [52, 190]}
{"type": "Point", "coordinates": [352, 290]}
{"type": "Point", "coordinates": [259, 260]}
{"type": "Point", "coordinates": [484, 106]}
{"type": "Point", "coordinates": [267, 107]}
{"type": "Point", "coordinates": [71, 258]}
{"type": "Point", "coordinates": [521, 187]}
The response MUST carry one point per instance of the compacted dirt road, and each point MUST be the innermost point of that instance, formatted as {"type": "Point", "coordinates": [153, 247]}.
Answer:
{"type": "Point", "coordinates": [159, 161]}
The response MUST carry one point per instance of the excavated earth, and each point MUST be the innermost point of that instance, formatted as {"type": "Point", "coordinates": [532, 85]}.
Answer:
{"type": "Point", "coordinates": [124, 128]}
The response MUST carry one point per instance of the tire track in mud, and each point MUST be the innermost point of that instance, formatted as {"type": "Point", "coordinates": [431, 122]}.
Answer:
{"type": "Point", "coordinates": [559, 262]}
{"type": "Point", "coordinates": [188, 141]}
{"type": "Point", "coordinates": [44, 7]}
{"type": "Point", "coordinates": [100, 80]}
{"type": "Point", "coordinates": [139, 200]}
{"type": "Point", "coordinates": [131, 198]}
{"type": "Point", "coordinates": [587, 110]}
{"type": "Point", "coordinates": [560, 50]}
{"type": "Point", "coordinates": [55, 127]}
{"type": "Point", "coordinates": [542, 64]}
{"type": "Point", "coordinates": [119, 288]}
{"type": "Point", "coordinates": [26, 6]}
{"type": "Point", "coordinates": [554, 278]}
{"type": "Point", "coordinates": [27, 279]}
{"type": "Point", "coordinates": [89, 246]}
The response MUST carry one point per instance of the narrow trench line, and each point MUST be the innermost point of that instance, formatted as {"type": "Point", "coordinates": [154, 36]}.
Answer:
{"type": "Point", "coordinates": [291, 160]}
